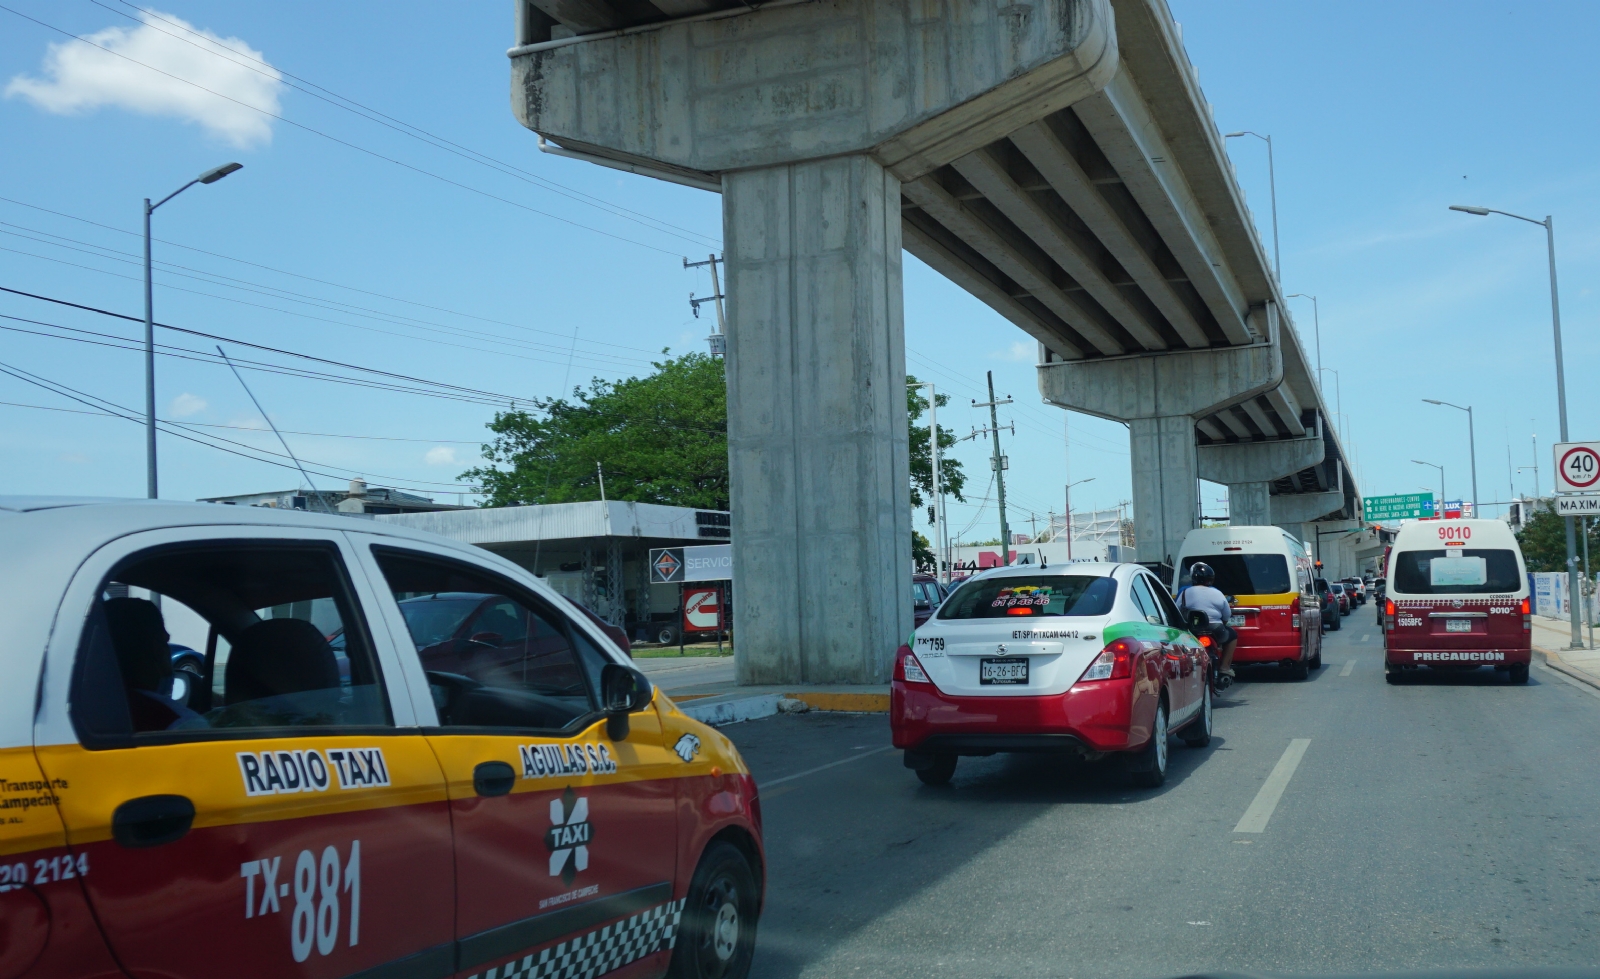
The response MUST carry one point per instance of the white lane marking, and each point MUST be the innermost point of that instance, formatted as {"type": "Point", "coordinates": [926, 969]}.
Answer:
{"type": "Point", "coordinates": [1577, 683]}
{"type": "Point", "coordinates": [1364, 638]}
{"type": "Point", "coordinates": [819, 768]}
{"type": "Point", "coordinates": [1255, 818]}
{"type": "Point", "coordinates": [1347, 668]}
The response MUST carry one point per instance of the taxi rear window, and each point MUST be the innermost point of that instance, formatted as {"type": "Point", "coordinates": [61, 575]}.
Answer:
{"type": "Point", "coordinates": [1032, 595]}
{"type": "Point", "coordinates": [1243, 574]}
{"type": "Point", "coordinates": [1474, 571]}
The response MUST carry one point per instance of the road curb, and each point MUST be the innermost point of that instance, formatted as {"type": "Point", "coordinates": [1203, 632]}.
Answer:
{"type": "Point", "coordinates": [718, 712]}
{"type": "Point", "coordinates": [860, 703]}
{"type": "Point", "coordinates": [1554, 662]}
{"type": "Point", "coordinates": [723, 712]}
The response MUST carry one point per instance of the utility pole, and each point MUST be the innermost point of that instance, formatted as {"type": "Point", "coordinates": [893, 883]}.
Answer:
{"type": "Point", "coordinates": [999, 464]}
{"type": "Point", "coordinates": [719, 339]}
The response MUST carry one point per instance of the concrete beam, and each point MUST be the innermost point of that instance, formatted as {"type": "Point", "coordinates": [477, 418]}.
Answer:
{"type": "Point", "coordinates": [986, 174]}
{"type": "Point", "coordinates": [1305, 507]}
{"type": "Point", "coordinates": [1258, 462]}
{"type": "Point", "coordinates": [814, 80]}
{"type": "Point", "coordinates": [1050, 156]}
{"type": "Point", "coordinates": [1031, 272]}
{"type": "Point", "coordinates": [1249, 504]}
{"type": "Point", "coordinates": [1123, 126]}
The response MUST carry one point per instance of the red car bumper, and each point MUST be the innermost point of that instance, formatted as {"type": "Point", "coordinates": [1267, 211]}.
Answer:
{"type": "Point", "coordinates": [1458, 657]}
{"type": "Point", "coordinates": [1104, 715]}
{"type": "Point", "coordinates": [1273, 649]}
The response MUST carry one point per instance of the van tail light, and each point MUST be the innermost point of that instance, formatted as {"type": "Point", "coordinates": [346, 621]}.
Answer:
{"type": "Point", "coordinates": [1527, 615]}
{"type": "Point", "coordinates": [1294, 612]}
{"type": "Point", "coordinates": [1115, 662]}
{"type": "Point", "coordinates": [906, 667]}
{"type": "Point", "coordinates": [1388, 614]}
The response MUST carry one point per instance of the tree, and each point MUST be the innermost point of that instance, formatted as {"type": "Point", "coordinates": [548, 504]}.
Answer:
{"type": "Point", "coordinates": [1544, 540]}
{"type": "Point", "coordinates": [950, 472]}
{"type": "Point", "coordinates": [659, 439]}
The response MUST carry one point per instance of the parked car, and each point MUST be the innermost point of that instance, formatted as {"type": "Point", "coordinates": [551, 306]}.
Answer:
{"type": "Point", "coordinates": [926, 596]}
{"type": "Point", "coordinates": [1091, 659]}
{"type": "Point", "coordinates": [471, 779]}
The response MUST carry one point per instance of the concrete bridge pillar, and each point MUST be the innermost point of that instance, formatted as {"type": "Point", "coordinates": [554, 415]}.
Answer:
{"type": "Point", "coordinates": [1249, 468]}
{"type": "Point", "coordinates": [1160, 396]}
{"type": "Point", "coordinates": [809, 118]}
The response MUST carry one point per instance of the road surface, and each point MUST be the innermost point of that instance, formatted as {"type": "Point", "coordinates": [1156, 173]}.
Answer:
{"type": "Point", "coordinates": [1447, 822]}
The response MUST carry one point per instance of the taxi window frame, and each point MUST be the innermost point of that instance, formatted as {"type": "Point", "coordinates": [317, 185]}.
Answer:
{"type": "Point", "coordinates": [405, 646]}
{"type": "Point", "coordinates": [96, 741]}
{"type": "Point", "coordinates": [1133, 592]}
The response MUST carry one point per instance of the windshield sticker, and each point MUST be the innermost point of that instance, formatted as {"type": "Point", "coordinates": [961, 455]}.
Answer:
{"type": "Point", "coordinates": [312, 770]}
{"type": "Point", "coordinates": [1022, 596]}
{"type": "Point", "coordinates": [1045, 634]}
{"type": "Point", "coordinates": [556, 760]}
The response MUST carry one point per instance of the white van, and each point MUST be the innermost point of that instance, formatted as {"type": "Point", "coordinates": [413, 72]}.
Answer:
{"type": "Point", "coordinates": [1456, 597]}
{"type": "Point", "coordinates": [1267, 575]}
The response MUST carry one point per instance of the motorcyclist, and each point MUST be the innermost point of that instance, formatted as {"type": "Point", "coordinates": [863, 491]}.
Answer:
{"type": "Point", "coordinates": [1203, 596]}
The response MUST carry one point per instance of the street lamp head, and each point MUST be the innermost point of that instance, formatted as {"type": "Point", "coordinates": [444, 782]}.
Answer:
{"type": "Point", "coordinates": [214, 175]}
{"type": "Point", "coordinates": [1232, 135]}
{"type": "Point", "coordinates": [1481, 212]}
{"type": "Point", "coordinates": [1431, 401]}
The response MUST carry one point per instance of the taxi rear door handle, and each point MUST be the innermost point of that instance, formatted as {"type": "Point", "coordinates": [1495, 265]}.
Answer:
{"type": "Point", "coordinates": [493, 778]}
{"type": "Point", "coordinates": [152, 820]}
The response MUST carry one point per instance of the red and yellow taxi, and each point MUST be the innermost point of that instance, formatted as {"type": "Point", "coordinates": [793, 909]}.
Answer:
{"type": "Point", "coordinates": [1271, 584]}
{"type": "Point", "coordinates": [353, 784]}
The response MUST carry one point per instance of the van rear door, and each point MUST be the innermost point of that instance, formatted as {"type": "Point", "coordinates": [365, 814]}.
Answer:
{"type": "Point", "coordinates": [1457, 598]}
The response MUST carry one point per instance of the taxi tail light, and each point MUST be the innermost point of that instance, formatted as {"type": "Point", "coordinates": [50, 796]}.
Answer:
{"type": "Point", "coordinates": [1115, 662]}
{"type": "Point", "coordinates": [1527, 615]}
{"type": "Point", "coordinates": [1388, 613]}
{"type": "Point", "coordinates": [906, 667]}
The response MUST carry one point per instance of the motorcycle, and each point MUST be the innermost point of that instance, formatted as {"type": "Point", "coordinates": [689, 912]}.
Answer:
{"type": "Point", "coordinates": [1210, 636]}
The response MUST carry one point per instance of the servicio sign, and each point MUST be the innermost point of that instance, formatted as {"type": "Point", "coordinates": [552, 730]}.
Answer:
{"type": "Point", "coordinates": [700, 562]}
{"type": "Point", "coordinates": [1577, 467]}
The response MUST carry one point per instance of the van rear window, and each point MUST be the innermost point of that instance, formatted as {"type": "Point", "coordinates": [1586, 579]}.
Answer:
{"type": "Point", "coordinates": [1243, 574]}
{"type": "Point", "coordinates": [1480, 571]}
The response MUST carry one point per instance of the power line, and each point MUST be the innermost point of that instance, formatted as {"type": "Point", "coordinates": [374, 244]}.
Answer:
{"type": "Point", "coordinates": [408, 129]}
{"type": "Point", "coordinates": [247, 428]}
{"type": "Point", "coordinates": [342, 142]}
{"type": "Point", "coordinates": [297, 275]}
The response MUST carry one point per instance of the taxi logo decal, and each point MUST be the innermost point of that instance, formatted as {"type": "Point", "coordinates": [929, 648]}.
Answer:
{"type": "Point", "coordinates": [556, 760]}
{"type": "Point", "coordinates": [312, 770]}
{"type": "Point", "coordinates": [569, 835]}
{"type": "Point", "coordinates": [687, 747]}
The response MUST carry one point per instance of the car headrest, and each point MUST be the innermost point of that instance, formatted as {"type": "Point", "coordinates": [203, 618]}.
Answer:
{"type": "Point", "coordinates": [279, 656]}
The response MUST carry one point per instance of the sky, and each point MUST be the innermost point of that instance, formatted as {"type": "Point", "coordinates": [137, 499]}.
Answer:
{"type": "Point", "coordinates": [392, 215]}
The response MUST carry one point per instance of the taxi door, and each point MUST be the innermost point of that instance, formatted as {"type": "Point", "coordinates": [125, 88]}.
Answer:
{"type": "Point", "coordinates": [565, 827]}
{"type": "Point", "coordinates": [284, 817]}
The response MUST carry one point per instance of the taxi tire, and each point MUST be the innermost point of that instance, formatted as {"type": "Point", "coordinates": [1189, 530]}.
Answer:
{"type": "Point", "coordinates": [1197, 734]}
{"type": "Point", "coordinates": [723, 878]}
{"type": "Point", "coordinates": [1517, 673]}
{"type": "Point", "coordinates": [1147, 767]}
{"type": "Point", "coordinates": [940, 772]}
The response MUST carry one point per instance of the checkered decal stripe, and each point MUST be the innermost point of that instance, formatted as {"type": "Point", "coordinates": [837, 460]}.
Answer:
{"type": "Point", "coordinates": [1449, 603]}
{"type": "Point", "coordinates": [600, 951]}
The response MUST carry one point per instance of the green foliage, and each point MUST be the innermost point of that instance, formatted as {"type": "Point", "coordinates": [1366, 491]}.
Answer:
{"type": "Point", "coordinates": [1544, 541]}
{"type": "Point", "coordinates": [950, 472]}
{"type": "Point", "coordinates": [922, 555]}
{"type": "Point", "coordinates": [660, 439]}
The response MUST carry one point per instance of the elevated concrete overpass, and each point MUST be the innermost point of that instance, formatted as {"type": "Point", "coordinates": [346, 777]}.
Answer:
{"type": "Point", "coordinates": [1057, 160]}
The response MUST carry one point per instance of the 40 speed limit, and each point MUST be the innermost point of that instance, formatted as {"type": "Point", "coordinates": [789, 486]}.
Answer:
{"type": "Point", "coordinates": [1577, 467]}
{"type": "Point", "coordinates": [321, 882]}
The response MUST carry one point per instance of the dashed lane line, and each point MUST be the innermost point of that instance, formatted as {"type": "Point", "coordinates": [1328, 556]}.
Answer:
{"type": "Point", "coordinates": [1348, 666]}
{"type": "Point", "coordinates": [820, 768]}
{"type": "Point", "coordinates": [1255, 818]}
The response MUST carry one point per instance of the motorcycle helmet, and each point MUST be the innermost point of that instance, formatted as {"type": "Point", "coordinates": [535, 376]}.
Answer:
{"type": "Point", "coordinates": [1201, 573]}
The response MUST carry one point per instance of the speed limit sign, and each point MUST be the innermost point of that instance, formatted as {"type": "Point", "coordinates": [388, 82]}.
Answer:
{"type": "Point", "coordinates": [1578, 467]}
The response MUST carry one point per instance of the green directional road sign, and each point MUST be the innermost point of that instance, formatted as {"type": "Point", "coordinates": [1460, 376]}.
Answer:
{"type": "Point", "coordinates": [1408, 506]}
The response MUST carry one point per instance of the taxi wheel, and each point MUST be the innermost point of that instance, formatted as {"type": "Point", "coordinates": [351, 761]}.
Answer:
{"type": "Point", "coordinates": [718, 933]}
{"type": "Point", "coordinates": [1198, 733]}
{"type": "Point", "coordinates": [1518, 673]}
{"type": "Point", "coordinates": [1147, 767]}
{"type": "Point", "coordinates": [940, 772]}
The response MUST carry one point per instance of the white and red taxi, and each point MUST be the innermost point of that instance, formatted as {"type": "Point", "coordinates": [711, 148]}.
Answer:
{"type": "Point", "coordinates": [404, 757]}
{"type": "Point", "coordinates": [1085, 659]}
{"type": "Point", "coordinates": [1456, 598]}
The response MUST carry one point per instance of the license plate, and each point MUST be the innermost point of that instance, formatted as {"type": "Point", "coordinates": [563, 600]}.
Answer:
{"type": "Point", "coordinates": [1012, 669]}
{"type": "Point", "coordinates": [1235, 620]}
{"type": "Point", "coordinates": [1457, 625]}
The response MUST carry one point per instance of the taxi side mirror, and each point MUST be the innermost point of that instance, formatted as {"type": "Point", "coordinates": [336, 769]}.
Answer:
{"type": "Point", "coordinates": [623, 690]}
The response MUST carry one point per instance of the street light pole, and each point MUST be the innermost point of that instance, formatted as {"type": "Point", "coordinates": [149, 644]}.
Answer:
{"type": "Point", "coordinates": [1549, 226]}
{"type": "Point", "coordinates": [1069, 512]}
{"type": "Point", "coordinates": [1272, 185]}
{"type": "Point", "coordinates": [209, 177]}
{"type": "Point", "coordinates": [1438, 510]}
{"type": "Point", "coordinates": [1316, 319]}
{"type": "Point", "coordinates": [1472, 445]}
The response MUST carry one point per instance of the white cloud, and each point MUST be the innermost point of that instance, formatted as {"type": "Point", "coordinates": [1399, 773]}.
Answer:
{"type": "Point", "coordinates": [80, 77]}
{"type": "Point", "coordinates": [1020, 350]}
{"type": "Point", "coordinates": [186, 404]}
{"type": "Point", "coordinates": [441, 455]}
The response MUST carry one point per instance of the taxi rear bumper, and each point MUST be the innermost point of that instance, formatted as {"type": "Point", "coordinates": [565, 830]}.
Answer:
{"type": "Point", "coordinates": [1090, 718]}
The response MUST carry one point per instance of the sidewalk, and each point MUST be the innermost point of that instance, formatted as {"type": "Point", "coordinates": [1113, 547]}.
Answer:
{"type": "Point", "coordinates": [1551, 635]}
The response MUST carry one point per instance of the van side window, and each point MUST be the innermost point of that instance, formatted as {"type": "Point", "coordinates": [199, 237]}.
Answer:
{"type": "Point", "coordinates": [198, 641]}
{"type": "Point", "coordinates": [495, 655]}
